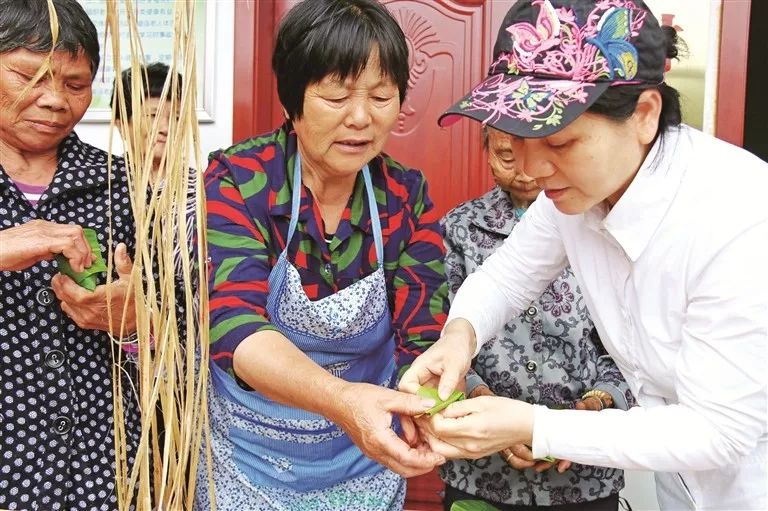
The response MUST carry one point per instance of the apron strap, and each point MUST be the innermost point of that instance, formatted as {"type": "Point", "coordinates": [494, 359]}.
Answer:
{"type": "Point", "coordinates": [373, 208]}
{"type": "Point", "coordinates": [296, 198]}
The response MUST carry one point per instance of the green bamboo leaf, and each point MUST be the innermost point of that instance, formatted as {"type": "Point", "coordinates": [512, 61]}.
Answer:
{"type": "Point", "coordinates": [472, 505]}
{"type": "Point", "coordinates": [88, 277]}
{"type": "Point", "coordinates": [431, 393]}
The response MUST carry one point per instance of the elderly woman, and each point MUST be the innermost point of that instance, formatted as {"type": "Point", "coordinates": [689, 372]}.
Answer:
{"type": "Point", "coordinates": [546, 355]}
{"type": "Point", "coordinates": [326, 277]}
{"type": "Point", "coordinates": [679, 295]}
{"type": "Point", "coordinates": [56, 440]}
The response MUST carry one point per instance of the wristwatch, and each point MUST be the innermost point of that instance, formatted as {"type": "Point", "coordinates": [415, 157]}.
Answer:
{"type": "Point", "coordinates": [606, 400]}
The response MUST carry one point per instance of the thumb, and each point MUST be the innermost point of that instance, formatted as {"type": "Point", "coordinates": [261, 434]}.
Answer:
{"type": "Point", "coordinates": [408, 404]}
{"type": "Point", "coordinates": [123, 263]}
{"type": "Point", "coordinates": [414, 376]}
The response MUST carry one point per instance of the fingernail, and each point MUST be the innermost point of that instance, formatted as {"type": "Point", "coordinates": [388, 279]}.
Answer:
{"type": "Point", "coordinates": [428, 403]}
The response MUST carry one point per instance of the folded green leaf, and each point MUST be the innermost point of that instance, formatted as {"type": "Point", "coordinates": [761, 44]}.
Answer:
{"type": "Point", "coordinates": [472, 505]}
{"type": "Point", "coordinates": [431, 393]}
{"type": "Point", "coordinates": [88, 277]}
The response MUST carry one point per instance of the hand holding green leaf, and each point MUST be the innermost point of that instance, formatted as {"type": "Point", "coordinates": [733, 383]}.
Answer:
{"type": "Point", "coordinates": [431, 393]}
{"type": "Point", "coordinates": [87, 277]}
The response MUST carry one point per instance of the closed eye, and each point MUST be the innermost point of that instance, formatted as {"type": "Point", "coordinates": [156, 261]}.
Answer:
{"type": "Point", "coordinates": [559, 144]}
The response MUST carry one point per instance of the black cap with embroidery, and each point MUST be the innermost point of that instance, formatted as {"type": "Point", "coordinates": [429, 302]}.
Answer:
{"type": "Point", "coordinates": [554, 58]}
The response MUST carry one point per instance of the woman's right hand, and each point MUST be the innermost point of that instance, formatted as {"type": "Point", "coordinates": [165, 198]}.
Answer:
{"type": "Point", "coordinates": [445, 363]}
{"type": "Point", "coordinates": [39, 240]}
{"type": "Point", "coordinates": [365, 412]}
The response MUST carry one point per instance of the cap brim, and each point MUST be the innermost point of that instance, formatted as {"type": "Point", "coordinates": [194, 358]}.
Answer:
{"type": "Point", "coordinates": [525, 106]}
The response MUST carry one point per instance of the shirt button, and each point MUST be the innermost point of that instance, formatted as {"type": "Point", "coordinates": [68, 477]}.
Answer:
{"type": "Point", "coordinates": [44, 296]}
{"type": "Point", "coordinates": [54, 359]}
{"type": "Point", "coordinates": [531, 366]}
{"type": "Point", "coordinates": [62, 425]}
{"type": "Point", "coordinates": [532, 311]}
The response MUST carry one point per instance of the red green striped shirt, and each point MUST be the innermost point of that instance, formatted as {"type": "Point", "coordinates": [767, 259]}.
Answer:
{"type": "Point", "coordinates": [248, 190]}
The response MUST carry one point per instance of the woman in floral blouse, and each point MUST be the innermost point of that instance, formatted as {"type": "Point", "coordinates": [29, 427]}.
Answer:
{"type": "Point", "coordinates": [326, 278]}
{"type": "Point", "coordinates": [544, 356]}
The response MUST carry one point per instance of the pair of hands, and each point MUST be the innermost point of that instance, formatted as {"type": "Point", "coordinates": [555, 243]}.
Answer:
{"type": "Point", "coordinates": [39, 240]}
{"type": "Point", "coordinates": [365, 411]}
{"type": "Point", "coordinates": [476, 427]}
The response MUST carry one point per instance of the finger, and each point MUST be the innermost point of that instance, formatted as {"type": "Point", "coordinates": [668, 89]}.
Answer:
{"type": "Point", "coordinates": [416, 375]}
{"type": "Point", "coordinates": [461, 408]}
{"type": "Point", "coordinates": [563, 465]}
{"type": "Point", "coordinates": [579, 405]}
{"type": "Point", "coordinates": [88, 257]}
{"type": "Point", "coordinates": [123, 262]}
{"type": "Point", "coordinates": [410, 435]}
{"type": "Point", "coordinates": [592, 403]}
{"type": "Point", "coordinates": [518, 463]}
{"type": "Point", "coordinates": [453, 372]}
{"type": "Point", "coordinates": [403, 470]}
{"type": "Point", "coordinates": [73, 246]}
{"type": "Point", "coordinates": [443, 448]}
{"type": "Point", "coordinates": [522, 451]}
{"type": "Point", "coordinates": [394, 447]}
{"type": "Point", "coordinates": [66, 290]}
{"type": "Point", "coordinates": [508, 456]}
{"type": "Point", "coordinates": [542, 466]}
{"type": "Point", "coordinates": [407, 404]}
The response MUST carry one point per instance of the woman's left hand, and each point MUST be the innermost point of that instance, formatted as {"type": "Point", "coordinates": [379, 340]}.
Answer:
{"type": "Point", "coordinates": [365, 412]}
{"type": "Point", "coordinates": [88, 309]}
{"type": "Point", "coordinates": [478, 427]}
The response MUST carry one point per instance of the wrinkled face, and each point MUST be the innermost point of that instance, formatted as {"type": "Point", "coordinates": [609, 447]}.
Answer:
{"type": "Point", "coordinates": [345, 124]}
{"type": "Point", "coordinates": [591, 160]}
{"type": "Point", "coordinates": [38, 120]}
{"type": "Point", "coordinates": [155, 110]}
{"type": "Point", "coordinates": [501, 160]}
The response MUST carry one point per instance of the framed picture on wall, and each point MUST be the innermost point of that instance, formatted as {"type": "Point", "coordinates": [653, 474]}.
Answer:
{"type": "Point", "coordinates": [155, 20]}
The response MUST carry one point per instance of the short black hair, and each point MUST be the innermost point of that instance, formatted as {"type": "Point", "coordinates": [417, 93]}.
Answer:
{"type": "Point", "coordinates": [26, 24]}
{"type": "Point", "coordinates": [155, 75]}
{"type": "Point", "coordinates": [318, 38]}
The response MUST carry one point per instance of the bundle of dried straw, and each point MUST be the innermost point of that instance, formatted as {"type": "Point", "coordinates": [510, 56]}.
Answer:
{"type": "Point", "coordinates": [171, 377]}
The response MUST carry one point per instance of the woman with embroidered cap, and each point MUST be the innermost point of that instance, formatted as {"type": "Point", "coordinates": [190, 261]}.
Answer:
{"type": "Point", "coordinates": [548, 355]}
{"type": "Point", "coordinates": [679, 295]}
{"type": "Point", "coordinates": [326, 278]}
{"type": "Point", "coordinates": [57, 448]}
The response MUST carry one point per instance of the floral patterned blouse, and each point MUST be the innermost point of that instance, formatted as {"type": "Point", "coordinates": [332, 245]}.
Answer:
{"type": "Point", "coordinates": [548, 355]}
{"type": "Point", "coordinates": [248, 189]}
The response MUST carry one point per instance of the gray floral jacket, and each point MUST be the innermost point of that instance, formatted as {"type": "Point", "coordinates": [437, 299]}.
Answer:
{"type": "Point", "coordinates": [549, 355]}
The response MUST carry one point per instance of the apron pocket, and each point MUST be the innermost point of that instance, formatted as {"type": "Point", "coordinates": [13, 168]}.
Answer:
{"type": "Point", "coordinates": [298, 465]}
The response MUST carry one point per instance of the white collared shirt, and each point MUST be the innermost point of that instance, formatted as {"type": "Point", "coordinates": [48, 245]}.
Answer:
{"type": "Point", "coordinates": [676, 280]}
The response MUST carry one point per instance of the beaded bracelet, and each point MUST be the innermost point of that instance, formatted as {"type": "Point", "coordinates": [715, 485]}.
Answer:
{"type": "Point", "coordinates": [606, 400]}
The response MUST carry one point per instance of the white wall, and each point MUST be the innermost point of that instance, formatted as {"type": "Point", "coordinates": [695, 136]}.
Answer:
{"type": "Point", "coordinates": [213, 135]}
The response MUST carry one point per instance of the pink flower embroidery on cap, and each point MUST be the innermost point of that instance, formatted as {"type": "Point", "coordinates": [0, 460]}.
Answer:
{"type": "Point", "coordinates": [554, 63]}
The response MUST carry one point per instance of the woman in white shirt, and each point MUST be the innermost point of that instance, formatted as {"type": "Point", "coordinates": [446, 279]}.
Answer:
{"type": "Point", "coordinates": [675, 279]}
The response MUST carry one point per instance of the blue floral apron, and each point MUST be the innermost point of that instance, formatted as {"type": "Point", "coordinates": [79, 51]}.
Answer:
{"type": "Point", "coordinates": [270, 456]}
